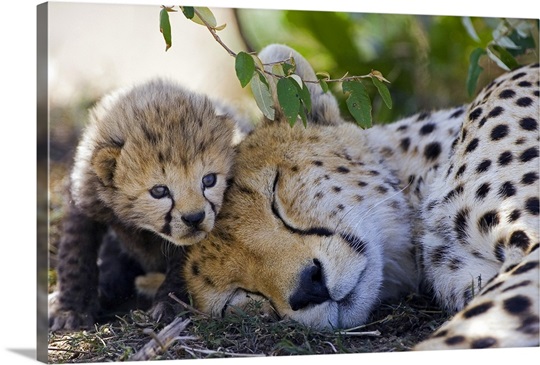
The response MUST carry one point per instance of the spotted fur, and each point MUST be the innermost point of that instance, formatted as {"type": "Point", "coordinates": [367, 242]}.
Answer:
{"type": "Point", "coordinates": [151, 170]}
{"type": "Point", "coordinates": [324, 222]}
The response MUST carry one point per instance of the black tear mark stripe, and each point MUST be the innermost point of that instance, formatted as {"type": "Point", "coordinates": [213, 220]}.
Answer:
{"type": "Point", "coordinates": [168, 218]}
{"type": "Point", "coordinates": [318, 231]}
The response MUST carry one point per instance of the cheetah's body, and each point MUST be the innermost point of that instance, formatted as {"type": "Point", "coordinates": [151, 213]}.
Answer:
{"type": "Point", "coordinates": [324, 222]}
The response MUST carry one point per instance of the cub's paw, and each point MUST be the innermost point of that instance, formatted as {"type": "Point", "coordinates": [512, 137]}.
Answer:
{"type": "Point", "coordinates": [164, 311]}
{"type": "Point", "coordinates": [68, 320]}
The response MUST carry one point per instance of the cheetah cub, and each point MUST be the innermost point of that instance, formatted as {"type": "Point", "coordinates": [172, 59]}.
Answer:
{"type": "Point", "coordinates": [149, 176]}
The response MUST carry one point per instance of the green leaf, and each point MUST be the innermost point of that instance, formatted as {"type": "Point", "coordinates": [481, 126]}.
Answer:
{"type": "Point", "coordinates": [305, 102]}
{"type": "Point", "coordinates": [504, 56]}
{"type": "Point", "coordinates": [262, 94]}
{"type": "Point", "coordinates": [165, 27]}
{"type": "Point", "coordinates": [289, 101]}
{"type": "Point", "coordinates": [467, 23]}
{"type": "Point", "coordinates": [383, 91]}
{"type": "Point", "coordinates": [245, 67]}
{"type": "Point", "coordinates": [322, 76]}
{"type": "Point", "coordinates": [289, 68]}
{"type": "Point", "coordinates": [304, 96]}
{"type": "Point", "coordinates": [474, 69]}
{"type": "Point", "coordinates": [189, 11]}
{"type": "Point", "coordinates": [202, 15]}
{"type": "Point", "coordinates": [358, 102]}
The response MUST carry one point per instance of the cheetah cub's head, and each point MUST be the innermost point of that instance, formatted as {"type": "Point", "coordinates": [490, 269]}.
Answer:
{"type": "Point", "coordinates": [158, 158]}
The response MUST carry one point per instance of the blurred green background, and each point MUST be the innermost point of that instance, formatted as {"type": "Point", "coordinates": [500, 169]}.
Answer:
{"type": "Point", "coordinates": [426, 58]}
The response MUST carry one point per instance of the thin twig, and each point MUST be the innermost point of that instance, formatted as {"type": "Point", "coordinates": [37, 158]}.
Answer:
{"type": "Point", "coordinates": [67, 350]}
{"type": "Point", "coordinates": [214, 352]}
{"type": "Point", "coordinates": [212, 31]}
{"type": "Point", "coordinates": [187, 306]}
{"type": "Point", "coordinates": [214, 34]}
{"type": "Point", "coordinates": [375, 333]}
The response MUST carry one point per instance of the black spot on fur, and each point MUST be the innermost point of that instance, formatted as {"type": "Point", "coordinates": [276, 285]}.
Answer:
{"type": "Point", "coordinates": [362, 183]}
{"type": "Point", "coordinates": [461, 170]}
{"type": "Point", "coordinates": [432, 151]}
{"type": "Point", "coordinates": [518, 285]}
{"type": "Point", "coordinates": [482, 191]}
{"type": "Point", "coordinates": [495, 112]}
{"type": "Point", "coordinates": [519, 239]}
{"type": "Point", "coordinates": [499, 251]}
{"type": "Point", "coordinates": [528, 124]}
{"type": "Point", "coordinates": [317, 163]}
{"type": "Point", "coordinates": [524, 102]}
{"type": "Point", "coordinates": [472, 145]}
{"type": "Point", "coordinates": [382, 189]}
{"type": "Point", "coordinates": [336, 189]}
{"type": "Point", "coordinates": [531, 205]}
{"type": "Point", "coordinates": [475, 114]}
{"type": "Point", "coordinates": [499, 132]}
{"type": "Point", "coordinates": [517, 305]}
{"type": "Point", "coordinates": [488, 221]}
{"type": "Point", "coordinates": [505, 158]}
{"type": "Point", "coordinates": [405, 143]}
{"type": "Point", "coordinates": [477, 310]}
{"type": "Point", "coordinates": [514, 215]}
{"type": "Point", "coordinates": [483, 343]}
{"type": "Point", "coordinates": [457, 113]}
{"type": "Point", "coordinates": [507, 190]}
{"type": "Point", "coordinates": [521, 269]}
{"type": "Point", "coordinates": [518, 75]}
{"type": "Point", "coordinates": [529, 178]}
{"type": "Point", "coordinates": [427, 129]}
{"type": "Point", "coordinates": [483, 166]}
{"type": "Point", "coordinates": [343, 170]}
{"type": "Point", "coordinates": [524, 84]}
{"type": "Point", "coordinates": [529, 325]}
{"type": "Point", "coordinates": [403, 127]}
{"type": "Point", "coordinates": [529, 154]}
{"type": "Point", "coordinates": [454, 340]}
{"type": "Point", "coordinates": [423, 116]}
{"type": "Point", "coordinates": [453, 193]}
{"type": "Point", "coordinates": [507, 94]}
{"type": "Point", "coordinates": [461, 224]}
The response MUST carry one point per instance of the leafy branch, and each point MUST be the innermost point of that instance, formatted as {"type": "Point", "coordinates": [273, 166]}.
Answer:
{"type": "Point", "coordinates": [292, 93]}
{"type": "Point", "coordinates": [510, 38]}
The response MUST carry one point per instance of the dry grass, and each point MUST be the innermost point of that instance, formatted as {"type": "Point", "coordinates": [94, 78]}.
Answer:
{"type": "Point", "coordinates": [393, 327]}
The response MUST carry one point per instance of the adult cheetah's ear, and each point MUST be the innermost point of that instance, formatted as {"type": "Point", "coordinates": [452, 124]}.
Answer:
{"type": "Point", "coordinates": [324, 109]}
{"type": "Point", "coordinates": [104, 164]}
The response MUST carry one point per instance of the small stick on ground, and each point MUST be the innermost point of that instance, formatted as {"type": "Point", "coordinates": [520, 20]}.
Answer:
{"type": "Point", "coordinates": [187, 306]}
{"type": "Point", "coordinates": [161, 341]}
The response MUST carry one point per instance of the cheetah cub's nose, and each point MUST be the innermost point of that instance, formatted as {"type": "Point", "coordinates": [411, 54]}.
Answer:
{"type": "Point", "coordinates": [193, 220]}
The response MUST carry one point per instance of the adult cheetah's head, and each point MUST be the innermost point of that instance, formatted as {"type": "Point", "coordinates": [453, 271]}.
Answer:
{"type": "Point", "coordinates": [159, 158]}
{"type": "Point", "coordinates": [304, 224]}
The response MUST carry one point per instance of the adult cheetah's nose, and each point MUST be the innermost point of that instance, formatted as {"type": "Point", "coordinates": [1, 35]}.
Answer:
{"type": "Point", "coordinates": [193, 219]}
{"type": "Point", "coordinates": [311, 287]}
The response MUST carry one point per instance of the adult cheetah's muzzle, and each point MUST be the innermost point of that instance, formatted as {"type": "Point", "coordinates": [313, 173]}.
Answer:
{"type": "Point", "coordinates": [311, 289]}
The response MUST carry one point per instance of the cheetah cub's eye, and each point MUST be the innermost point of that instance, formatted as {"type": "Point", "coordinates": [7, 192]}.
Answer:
{"type": "Point", "coordinates": [209, 180]}
{"type": "Point", "coordinates": [159, 191]}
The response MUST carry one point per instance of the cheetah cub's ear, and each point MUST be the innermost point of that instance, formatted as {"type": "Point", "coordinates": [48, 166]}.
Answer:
{"type": "Point", "coordinates": [104, 164]}
{"type": "Point", "coordinates": [324, 109]}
